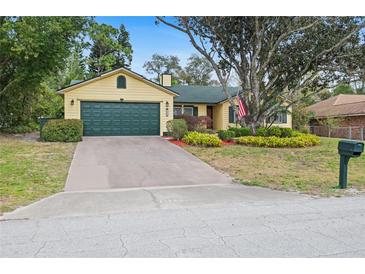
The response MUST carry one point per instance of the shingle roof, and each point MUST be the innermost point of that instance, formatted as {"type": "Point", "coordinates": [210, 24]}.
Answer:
{"type": "Point", "coordinates": [340, 105]}
{"type": "Point", "coordinates": [201, 94]}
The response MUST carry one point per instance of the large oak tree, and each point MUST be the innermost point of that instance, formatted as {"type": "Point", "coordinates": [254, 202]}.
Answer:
{"type": "Point", "coordinates": [274, 58]}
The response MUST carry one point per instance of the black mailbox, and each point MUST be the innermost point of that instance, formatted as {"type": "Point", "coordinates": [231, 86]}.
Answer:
{"type": "Point", "coordinates": [347, 149]}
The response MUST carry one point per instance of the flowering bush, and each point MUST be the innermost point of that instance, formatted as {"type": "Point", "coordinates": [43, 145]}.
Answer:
{"type": "Point", "coordinates": [201, 139]}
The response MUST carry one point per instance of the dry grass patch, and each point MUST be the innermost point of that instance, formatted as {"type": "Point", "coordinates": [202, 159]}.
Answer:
{"type": "Point", "coordinates": [311, 170]}
{"type": "Point", "coordinates": [31, 170]}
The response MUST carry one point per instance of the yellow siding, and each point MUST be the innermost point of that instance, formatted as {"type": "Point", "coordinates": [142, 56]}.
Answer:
{"type": "Point", "coordinates": [289, 119]}
{"type": "Point", "coordinates": [218, 119]}
{"type": "Point", "coordinates": [221, 117]}
{"type": "Point", "coordinates": [106, 90]}
{"type": "Point", "coordinates": [202, 109]}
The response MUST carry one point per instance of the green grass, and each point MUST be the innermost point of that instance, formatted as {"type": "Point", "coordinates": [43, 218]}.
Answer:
{"type": "Point", "coordinates": [311, 170]}
{"type": "Point", "coordinates": [31, 170]}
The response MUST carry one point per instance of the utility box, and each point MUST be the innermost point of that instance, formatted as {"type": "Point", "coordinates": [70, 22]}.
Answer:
{"type": "Point", "coordinates": [347, 149]}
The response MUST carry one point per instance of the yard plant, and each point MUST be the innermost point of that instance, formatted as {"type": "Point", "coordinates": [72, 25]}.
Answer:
{"type": "Point", "coordinates": [303, 140]}
{"type": "Point", "coordinates": [226, 135]}
{"type": "Point", "coordinates": [202, 139]}
{"type": "Point", "coordinates": [241, 131]}
{"type": "Point", "coordinates": [60, 130]}
{"type": "Point", "coordinates": [177, 128]}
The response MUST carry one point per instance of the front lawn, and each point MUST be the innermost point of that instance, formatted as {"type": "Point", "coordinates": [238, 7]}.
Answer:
{"type": "Point", "coordinates": [30, 170]}
{"type": "Point", "coordinates": [311, 170]}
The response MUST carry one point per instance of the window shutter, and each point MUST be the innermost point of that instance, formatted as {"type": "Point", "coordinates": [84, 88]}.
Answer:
{"type": "Point", "coordinates": [195, 111]}
{"type": "Point", "coordinates": [231, 115]}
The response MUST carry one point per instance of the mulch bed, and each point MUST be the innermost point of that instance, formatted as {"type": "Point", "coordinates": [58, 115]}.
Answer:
{"type": "Point", "coordinates": [178, 143]}
{"type": "Point", "coordinates": [228, 142]}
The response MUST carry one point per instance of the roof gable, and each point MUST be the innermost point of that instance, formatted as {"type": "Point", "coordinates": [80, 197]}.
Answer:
{"type": "Point", "coordinates": [77, 83]}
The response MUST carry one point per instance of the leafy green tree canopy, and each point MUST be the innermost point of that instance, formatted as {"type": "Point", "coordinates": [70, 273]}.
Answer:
{"type": "Point", "coordinates": [110, 48]}
{"type": "Point", "coordinates": [160, 64]}
{"type": "Point", "coordinates": [198, 70]}
{"type": "Point", "coordinates": [31, 50]}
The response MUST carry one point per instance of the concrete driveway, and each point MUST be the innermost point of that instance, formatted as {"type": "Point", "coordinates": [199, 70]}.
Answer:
{"type": "Point", "coordinates": [125, 162]}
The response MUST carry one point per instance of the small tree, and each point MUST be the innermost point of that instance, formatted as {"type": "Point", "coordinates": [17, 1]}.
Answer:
{"type": "Point", "coordinates": [301, 117]}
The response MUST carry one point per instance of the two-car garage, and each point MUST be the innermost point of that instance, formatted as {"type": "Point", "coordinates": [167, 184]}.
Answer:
{"type": "Point", "coordinates": [120, 119]}
{"type": "Point", "coordinates": [120, 103]}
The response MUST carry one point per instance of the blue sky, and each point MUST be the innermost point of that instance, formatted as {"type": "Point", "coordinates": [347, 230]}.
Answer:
{"type": "Point", "coordinates": [148, 38]}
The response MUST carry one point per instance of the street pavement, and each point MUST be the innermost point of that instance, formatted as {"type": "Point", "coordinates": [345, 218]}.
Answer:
{"type": "Point", "coordinates": [222, 220]}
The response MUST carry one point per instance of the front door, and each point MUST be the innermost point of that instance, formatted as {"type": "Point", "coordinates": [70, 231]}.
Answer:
{"type": "Point", "coordinates": [210, 114]}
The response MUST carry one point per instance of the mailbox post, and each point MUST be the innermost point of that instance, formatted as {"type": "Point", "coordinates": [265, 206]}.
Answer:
{"type": "Point", "coordinates": [347, 149]}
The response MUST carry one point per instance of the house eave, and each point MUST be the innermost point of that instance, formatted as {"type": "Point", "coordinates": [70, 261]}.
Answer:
{"type": "Point", "coordinates": [112, 72]}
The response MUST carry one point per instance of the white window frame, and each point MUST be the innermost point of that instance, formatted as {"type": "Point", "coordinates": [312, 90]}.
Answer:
{"type": "Point", "coordinates": [185, 108]}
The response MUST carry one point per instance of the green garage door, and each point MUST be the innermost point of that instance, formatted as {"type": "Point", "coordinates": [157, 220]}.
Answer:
{"type": "Point", "coordinates": [120, 119]}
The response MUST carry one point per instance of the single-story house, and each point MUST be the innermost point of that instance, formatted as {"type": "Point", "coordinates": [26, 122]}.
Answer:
{"type": "Point", "coordinates": [349, 109]}
{"type": "Point", "coordinates": [122, 102]}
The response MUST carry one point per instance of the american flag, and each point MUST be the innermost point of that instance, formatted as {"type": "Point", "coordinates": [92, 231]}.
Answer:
{"type": "Point", "coordinates": [242, 110]}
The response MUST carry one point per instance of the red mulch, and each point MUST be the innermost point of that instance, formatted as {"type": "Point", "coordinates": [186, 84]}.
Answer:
{"type": "Point", "coordinates": [178, 143]}
{"type": "Point", "coordinates": [228, 142]}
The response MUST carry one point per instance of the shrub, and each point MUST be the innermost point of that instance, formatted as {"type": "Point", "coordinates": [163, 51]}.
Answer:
{"type": "Point", "coordinates": [273, 131]}
{"type": "Point", "coordinates": [303, 140]}
{"type": "Point", "coordinates": [177, 127]}
{"type": "Point", "coordinates": [196, 123]}
{"type": "Point", "coordinates": [243, 131]}
{"type": "Point", "coordinates": [20, 129]}
{"type": "Point", "coordinates": [296, 133]}
{"type": "Point", "coordinates": [226, 135]}
{"type": "Point", "coordinates": [261, 131]}
{"type": "Point", "coordinates": [304, 130]}
{"type": "Point", "coordinates": [60, 130]}
{"type": "Point", "coordinates": [286, 132]}
{"type": "Point", "coordinates": [201, 139]}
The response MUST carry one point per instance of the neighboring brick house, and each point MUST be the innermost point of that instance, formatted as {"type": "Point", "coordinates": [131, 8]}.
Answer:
{"type": "Point", "coordinates": [349, 109]}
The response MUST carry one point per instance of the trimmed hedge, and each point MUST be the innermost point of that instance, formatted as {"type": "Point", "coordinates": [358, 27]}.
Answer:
{"type": "Point", "coordinates": [177, 127]}
{"type": "Point", "coordinates": [303, 140]}
{"type": "Point", "coordinates": [201, 139]}
{"type": "Point", "coordinates": [241, 131]}
{"type": "Point", "coordinates": [60, 130]}
{"type": "Point", "coordinates": [277, 132]}
{"type": "Point", "coordinates": [226, 135]}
